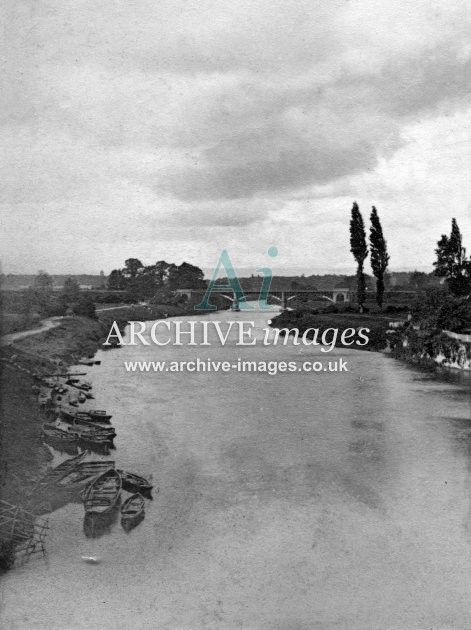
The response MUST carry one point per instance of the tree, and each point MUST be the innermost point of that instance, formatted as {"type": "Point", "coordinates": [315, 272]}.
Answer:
{"type": "Point", "coordinates": [161, 271]}
{"type": "Point", "coordinates": [116, 280]}
{"type": "Point", "coordinates": [71, 290]}
{"type": "Point", "coordinates": [452, 262]}
{"type": "Point", "coordinates": [43, 281]}
{"type": "Point", "coordinates": [379, 256]}
{"type": "Point", "coordinates": [188, 276]}
{"type": "Point", "coordinates": [131, 267]}
{"type": "Point", "coordinates": [359, 250]}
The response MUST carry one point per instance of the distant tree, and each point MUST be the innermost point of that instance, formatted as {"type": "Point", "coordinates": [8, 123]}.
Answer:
{"type": "Point", "coordinates": [379, 256]}
{"type": "Point", "coordinates": [102, 280]}
{"type": "Point", "coordinates": [116, 280]}
{"type": "Point", "coordinates": [452, 262]}
{"type": "Point", "coordinates": [71, 290]}
{"type": "Point", "coordinates": [131, 267]}
{"type": "Point", "coordinates": [418, 279]}
{"type": "Point", "coordinates": [161, 271]}
{"type": "Point", "coordinates": [172, 277]}
{"type": "Point", "coordinates": [44, 301]}
{"type": "Point", "coordinates": [359, 250]}
{"type": "Point", "coordinates": [29, 302]}
{"type": "Point", "coordinates": [188, 276]}
{"type": "Point", "coordinates": [421, 280]}
{"type": "Point", "coordinates": [42, 281]}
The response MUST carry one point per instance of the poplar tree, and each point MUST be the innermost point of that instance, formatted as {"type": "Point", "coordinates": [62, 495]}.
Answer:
{"type": "Point", "coordinates": [452, 262]}
{"type": "Point", "coordinates": [359, 249]}
{"type": "Point", "coordinates": [379, 256]}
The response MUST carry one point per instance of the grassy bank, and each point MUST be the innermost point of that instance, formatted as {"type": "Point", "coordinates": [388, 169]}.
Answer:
{"type": "Point", "coordinates": [302, 320]}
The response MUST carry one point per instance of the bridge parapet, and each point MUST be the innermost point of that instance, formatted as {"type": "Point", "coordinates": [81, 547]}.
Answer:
{"type": "Point", "coordinates": [333, 295]}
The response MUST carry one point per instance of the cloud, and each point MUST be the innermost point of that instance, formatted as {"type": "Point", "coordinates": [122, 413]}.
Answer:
{"type": "Point", "coordinates": [225, 116]}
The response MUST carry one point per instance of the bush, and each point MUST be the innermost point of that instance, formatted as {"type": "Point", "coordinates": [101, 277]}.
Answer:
{"type": "Point", "coordinates": [85, 306]}
{"type": "Point", "coordinates": [331, 308]}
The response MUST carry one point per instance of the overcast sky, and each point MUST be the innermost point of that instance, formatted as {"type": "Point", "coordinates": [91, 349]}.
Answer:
{"type": "Point", "coordinates": [173, 129]}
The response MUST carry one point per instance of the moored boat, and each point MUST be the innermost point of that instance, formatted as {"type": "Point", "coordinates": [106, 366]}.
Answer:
{"type": "Point", "coordinates": [132, 511]}
{"type": "Point", "coordinates": [67, 414]}
{"type": "Point", "coordinates": [82, 424]}
{"type": "Point", "coordinates": [85, 432]}
{"type": "Point", "coordinates": [57, 473]}
{"type": "Point", "coordinates": [103, 493]}
{"type": "Point", "coordinates": [99, 414]}
{"type": "Point", "coordinates": [134, 483]}
{"type": "Point", "coordinates": [55, 433]}
{"type": "Point", "coordinates": [85, 473]}
{"type": "Point", "coordinates": [97, 443]}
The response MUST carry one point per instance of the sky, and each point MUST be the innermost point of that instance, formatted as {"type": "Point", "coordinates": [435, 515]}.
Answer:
{"type": "Point", "coordinates": [173, 129]}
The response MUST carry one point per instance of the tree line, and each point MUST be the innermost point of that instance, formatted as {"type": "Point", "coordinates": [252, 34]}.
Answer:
{"type": "Point", "coordinates": [451, 261]}
{"type": "Point", "coordinates": [145, 281]}
{"type": "Point", "coordinates": [42, 300]}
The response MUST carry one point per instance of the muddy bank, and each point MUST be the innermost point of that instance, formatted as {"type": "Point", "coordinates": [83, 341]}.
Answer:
{"type": "Point", "coordinates": [22, 365]}
{"type": "Point", "coordinates": [23, 456]}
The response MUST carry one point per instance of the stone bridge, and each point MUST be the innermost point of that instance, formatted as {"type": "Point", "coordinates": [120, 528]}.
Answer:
{"type": "Point", "coordinates": [283, 296]}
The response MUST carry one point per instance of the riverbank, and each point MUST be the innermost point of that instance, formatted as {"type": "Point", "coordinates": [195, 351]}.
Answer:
{"type": "Point", "coordinates": [24, 362]}
{"type": "Point", "coordinates": [429, 347]}
{"type": "Point", "coordinates": [302, 321]}
{"type": "Point", "coordinates": [24, 457]}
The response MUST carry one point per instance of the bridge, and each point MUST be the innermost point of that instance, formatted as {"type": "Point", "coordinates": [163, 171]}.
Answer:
{"type": "Point", "coordinates": [282, 296]}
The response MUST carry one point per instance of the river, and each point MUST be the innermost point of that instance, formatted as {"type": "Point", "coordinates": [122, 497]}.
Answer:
{"type": "Point", "coordinates": [291, 502]}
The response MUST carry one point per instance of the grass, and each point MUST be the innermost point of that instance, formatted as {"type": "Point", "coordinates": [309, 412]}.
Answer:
{"type": "Point", "coordinates": [302, 320]}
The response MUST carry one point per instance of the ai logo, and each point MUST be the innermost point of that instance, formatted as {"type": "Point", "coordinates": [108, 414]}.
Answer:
{"type": "Point", "coordinates": [233, 284]}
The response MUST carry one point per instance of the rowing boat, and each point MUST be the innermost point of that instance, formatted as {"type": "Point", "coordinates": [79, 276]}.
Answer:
{"type": "Point", "coordinates": [55, 433]}
{"type": "Point", "coordinates": [85, 473]}
{"type": "Point", "coordinates": [133, 483]}
{"type": "Point", "coordinates": [64, 468]}
{"type": "Point", "coordinates": [103, 493]}
{"type": "Point", "coordinates": [99, 414]}
{"type": "Point", "coordinates": [132, 512]}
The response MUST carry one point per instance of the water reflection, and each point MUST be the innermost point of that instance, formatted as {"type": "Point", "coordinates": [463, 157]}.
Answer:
{"type": "Point", "coordinates": [339, 498]}
{"type": "Point", "coordinates": [97, 525]}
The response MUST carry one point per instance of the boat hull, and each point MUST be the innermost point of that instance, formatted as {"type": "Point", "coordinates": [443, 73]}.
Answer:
{"type": "Point", "coordinates": [103, 494]}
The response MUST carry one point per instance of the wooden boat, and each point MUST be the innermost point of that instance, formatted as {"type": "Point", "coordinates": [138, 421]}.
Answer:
{"type": "Point", "coordinates": [85, 473]}
{"type": "Point", "coordinates": [67, 414]}
{"type": "Point", "coordinates": [134, 483]}
{"type": "Point", "coordinates": [101, 443]}
{"type": "Point", "coordinates": [103, 493]}
{"type": "Point", "coordinates": [64, 468]}
{"type": "Point", "coordinates": [55, 433]}
{"type": "Point", "coordinates": [132, 510]}
{"type": "Point", "coordinates": [82, 424]}
{"type": "Point", "coordinates": [99, 414]}
{"type": "Point", "coordinates": [71, 415]}
{"type": "Point", "coordinates": [95, 433]}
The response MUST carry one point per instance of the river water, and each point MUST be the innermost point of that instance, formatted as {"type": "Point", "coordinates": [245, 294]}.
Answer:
{"type": "Point", "coordinates": [296, 501]}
